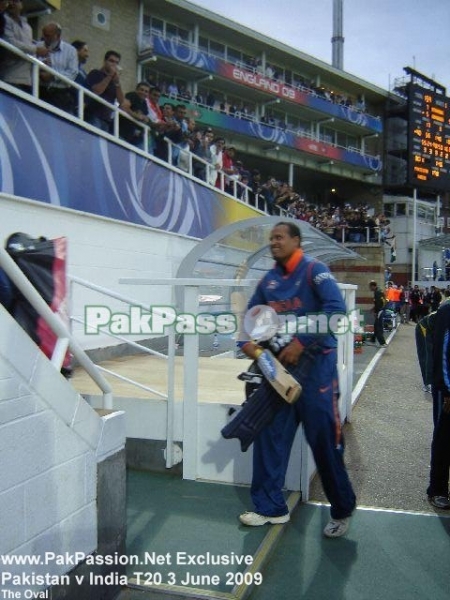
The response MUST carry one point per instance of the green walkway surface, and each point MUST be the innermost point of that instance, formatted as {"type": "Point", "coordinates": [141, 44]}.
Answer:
{"type": "Point", "coordinates": [386, 554]}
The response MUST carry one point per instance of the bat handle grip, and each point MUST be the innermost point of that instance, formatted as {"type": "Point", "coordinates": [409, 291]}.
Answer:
{"type": "Point", "coordinates": [258, 352]}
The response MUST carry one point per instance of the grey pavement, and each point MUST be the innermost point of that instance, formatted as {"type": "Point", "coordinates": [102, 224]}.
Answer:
{"type": "Point", "coordinates": [388, 440]}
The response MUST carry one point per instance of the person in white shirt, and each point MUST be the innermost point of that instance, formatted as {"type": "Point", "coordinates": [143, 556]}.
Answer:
{"type": "Point", "coordinates": [62, 58]}
{"type": "Point", "coordinates": [15, 70]}
{"type": "Point", "coordinates": [216, 150]}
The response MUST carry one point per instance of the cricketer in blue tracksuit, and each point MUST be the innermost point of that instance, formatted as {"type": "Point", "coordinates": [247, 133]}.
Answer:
{"type": "Point", "coordinates": [300, 284]}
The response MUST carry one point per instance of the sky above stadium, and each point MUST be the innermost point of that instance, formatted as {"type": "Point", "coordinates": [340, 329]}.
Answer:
{"type": "Point", "coordinates": [381, 36]}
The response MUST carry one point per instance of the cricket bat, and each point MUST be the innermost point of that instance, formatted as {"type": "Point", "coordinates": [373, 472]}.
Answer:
{"type": "Point", "coordinates": [278, 377]}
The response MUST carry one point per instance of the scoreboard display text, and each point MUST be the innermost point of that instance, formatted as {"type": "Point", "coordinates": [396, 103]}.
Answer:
{"type": "Point", "coordinates": [429, 139]}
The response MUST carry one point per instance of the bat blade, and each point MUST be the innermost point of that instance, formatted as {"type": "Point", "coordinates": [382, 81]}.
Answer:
{"type": "Point", "coordinates": [278, 377]}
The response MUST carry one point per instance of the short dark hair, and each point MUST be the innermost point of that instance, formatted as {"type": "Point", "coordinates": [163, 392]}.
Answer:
{"type": "Point", "coordinates": [293, 229]}
{"type": "Point", "coordinates": [112, 53]}
{"type": "Point", "coordinates": [78, 44]}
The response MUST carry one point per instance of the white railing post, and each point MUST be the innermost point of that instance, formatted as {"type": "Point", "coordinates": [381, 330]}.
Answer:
{"type": "Point", "coordinates": [190, 404]}
{"type": "Point", "coordinates": [55, 323]}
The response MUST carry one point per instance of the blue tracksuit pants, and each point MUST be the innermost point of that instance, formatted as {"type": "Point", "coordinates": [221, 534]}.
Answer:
{"type": "Point", "coordinates": [440, 448]}
{"type": "Point", "coordinates": [317, 409]}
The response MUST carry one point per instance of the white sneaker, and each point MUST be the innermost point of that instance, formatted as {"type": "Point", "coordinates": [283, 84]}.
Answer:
{"type": "Point", "coordinates": [336, 527]}
{"type": "Point", "coordinates": [253, 519]}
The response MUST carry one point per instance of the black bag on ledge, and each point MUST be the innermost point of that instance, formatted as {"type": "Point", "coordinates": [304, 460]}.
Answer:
{"type": "Point", "coordinates": [43, 262]}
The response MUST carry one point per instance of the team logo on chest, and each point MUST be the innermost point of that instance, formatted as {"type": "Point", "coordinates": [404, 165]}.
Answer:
{"type": "Point", "coordinates": [272, 284]}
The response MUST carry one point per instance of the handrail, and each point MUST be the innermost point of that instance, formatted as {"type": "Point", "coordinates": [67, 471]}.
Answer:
{"type": "Point", "coordinates": [246, 190]}
{"type": "Point", "coordinates": [65, 338]}
{"type": "Point", "coordinates": [170, 357]}
{"type": "Point", "coordinates": [97, 288]}
{"type": "Point", "coordinates": [82, 92]}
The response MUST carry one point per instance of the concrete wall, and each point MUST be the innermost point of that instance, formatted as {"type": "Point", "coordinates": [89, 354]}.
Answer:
{"type": "Point", "coordinates": [360, 272]}
{"type": "Point", "coordinates": [50, 443]}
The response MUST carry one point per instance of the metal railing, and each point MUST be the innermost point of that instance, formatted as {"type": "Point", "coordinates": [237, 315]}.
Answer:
{"type": "Point", "coordinates": [169, 395]}
{"type": "Point", "coordinates": [82, 94]}
{"type": "Point", "coordinates": [65, 339]}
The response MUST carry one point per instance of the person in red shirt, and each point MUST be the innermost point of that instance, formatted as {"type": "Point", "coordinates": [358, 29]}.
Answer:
{"type": "Point", "coordinates": [229, 168]}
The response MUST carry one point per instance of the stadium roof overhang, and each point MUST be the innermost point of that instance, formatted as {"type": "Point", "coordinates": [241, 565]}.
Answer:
{"type": "Point", "coordinates": [241, 251]}
{"type": "Point", "coordinates": [227, 249]}
{"type": "Point", "coordinates": [437, 242]}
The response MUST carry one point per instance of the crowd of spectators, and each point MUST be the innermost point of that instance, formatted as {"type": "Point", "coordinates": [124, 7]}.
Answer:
{"type": "Point", "coordinates": [282, 77]}
{"type": "Point", "coordinates": [172, 136]}
{"type": "Point", "coordinates": [238, 109]}
{"type": "Point", "coordinates": [412, 303]}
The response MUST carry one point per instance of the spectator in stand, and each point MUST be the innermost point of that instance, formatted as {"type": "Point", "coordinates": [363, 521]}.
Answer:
{"type": "Point", "coordinates": [63, 59]}
{"type": "Point", "coordinates": [157, 123]}
{"type": "Point", "coordinates": [185, 94]}
{"type": "Point", "coordinates": [18, 32]}
{"type": "Point", "coordinates": [371, 224]}
{"type": "Point", "coordinates": [135, 105]}
{"type": "Point", "coordinates": [268, 192]}
{"type": "Point", "coordinates": [216, 160]}
{"type": "Point", "coordinates": [229, 168]}
{"type": "Point", "coordinates": [255, 186]}
{"type": "Point", "coordinates": [198, 99]}
{"type": "Point", "coordinates": [104, 82]}
{"type": "Point", "coordinates": [179, 136]}
{"type": "Point", "coordinates": [163, 128]}
{"type": "Point", "coordinates": [327, 225]}
{"type": "Point", "coordinates": [285, 196]}
{"type": "Point", "coordinates": [239, 168]}
{"type": "Point", "coordinates": [210, 100]}
{"type": "Point", "coordinates": [356, 233]}
{"type": "Point", "coordinates": [360, 103]}
{"type": "Point", "coordinates": [232, 110]}
{"type": "Point", "coordinates": [242, 192]}
{"type": "Point", "coordinates": [186, 146]}
{"type": "Point", "coordinates": [172, 90]}
{"type": "Point", "coordinates": [201, 148]}
{"type": "Point", "coordinates": [83, 55]}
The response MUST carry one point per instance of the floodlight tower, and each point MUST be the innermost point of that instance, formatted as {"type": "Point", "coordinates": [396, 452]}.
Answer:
{"type": "Point", "coordinates": [337, 41]}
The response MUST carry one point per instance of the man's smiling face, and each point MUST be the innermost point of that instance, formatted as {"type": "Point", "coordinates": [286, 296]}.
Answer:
{"type": "Point", "coordinates": [282, 244]}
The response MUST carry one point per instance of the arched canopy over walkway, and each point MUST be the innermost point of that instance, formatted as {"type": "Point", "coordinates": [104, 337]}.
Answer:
{"type": "Point", "coordinates": [241, 250]}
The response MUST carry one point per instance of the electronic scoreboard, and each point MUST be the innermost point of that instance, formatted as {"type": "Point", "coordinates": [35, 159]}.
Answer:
{"type": "Point", "coordinates": [429, 139]}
